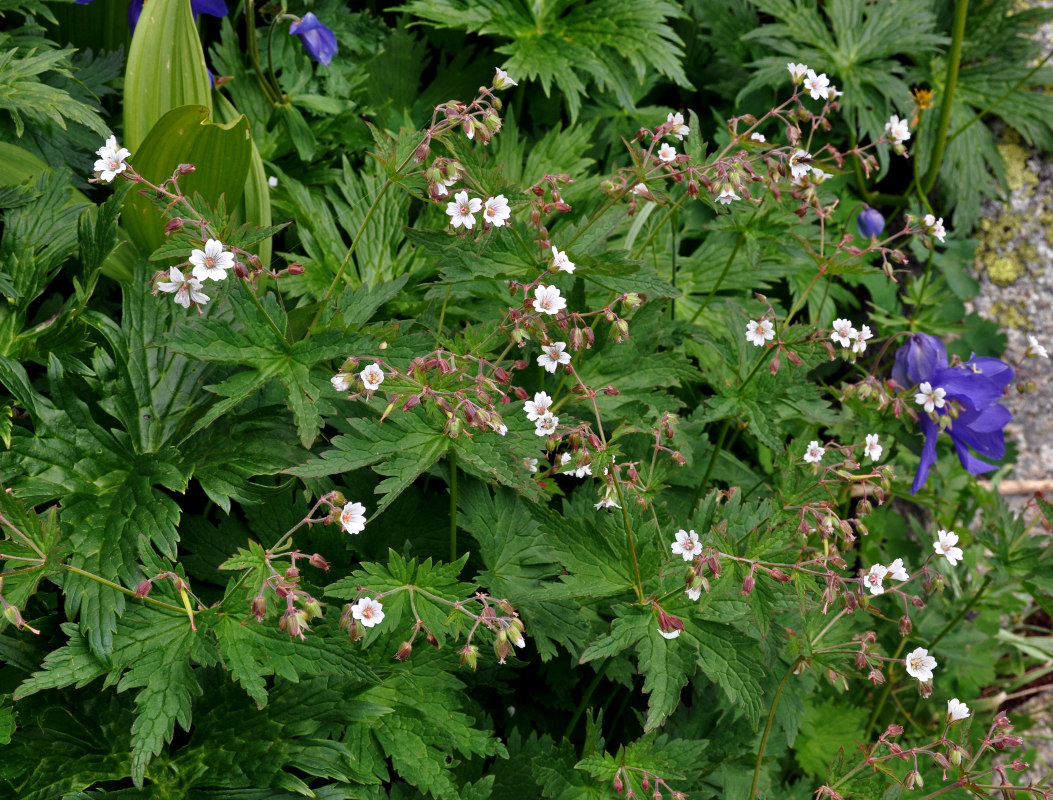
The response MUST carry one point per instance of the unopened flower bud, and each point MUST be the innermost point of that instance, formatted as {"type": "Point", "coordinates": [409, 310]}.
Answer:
{"type": "Point", "coordinates": [292, 572]}
{"type": "Point", "coordinates": [258, 607]}
{"type": "Point", "coordinates": [143, 589]}
{"type": "Point", "coordinates": [469, 656]}
{"type": "Point", "coordinates": [955, 756]}
{"type": "Point", "coordinates": [312, 608]}
{"type": "Point", "coordinates": [173, 225]}
{"type": "Point", "coordinates": [779, 575]}
{"type": "Point", "coordinates": [411, 403]}
{"type": "Point", "coordinates": [240, 271]}
{"type": "Point", "coordinates": [429, 637]}
{"type": "Point", "coordinates": [296, 269]}
{"type": "Point", "coordinates": [618, 785]}
{"type": "Point", "coordinates": [905, 625]}
{"type": "Point", "coordinates": [773, 367]}
{"type": "Point", "coordinates": [404, 651]}
{"type": "Point", "coordinates": [11, 615]}
{"type": "Point", "coordinates": [645, 784]}
{"type": "Point", "coordinates": [185, 169]}
{"type": "Point", "coordinates": [1019, 765]}
{"type": "Point", "coordinates": [318, 562]}
{"type": "Point", "coordinates": [632, 300]}
{"type": "Point", "coordinates": [748, 584]}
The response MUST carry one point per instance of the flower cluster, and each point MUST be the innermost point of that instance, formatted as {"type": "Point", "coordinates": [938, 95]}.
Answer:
{"type": "Point", "coordinates": [962, 400]}
{"type": "Point", "coordinates": [112, 160]}
{"type": "Point", "coordinates": [878, 572]}
{"type": "Point", "coordinates": [844, 333]}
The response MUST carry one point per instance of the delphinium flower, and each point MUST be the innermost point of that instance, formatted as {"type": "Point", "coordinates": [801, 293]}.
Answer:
{"type": "Point", "coordinates": [547, 300]}
{"type": "Point", "coordinates": [757, 333]}
{"type": "Point", "coordinates": [372, 376]}
{"type": "Point", "coordinates": [956, 710]}
{"type": "Point", "coordinates": [561, 262]}
{"type": "Point", "coordinates": [818, 86]}
{"type": "Point", "coordinates": [353, 518]}
{"type": "Point", "coordinates": [870, 223]}
{"type": "Point", "coordinates": [686, 545]}
{"type": "Point", "coordinates": [679, 129]}
{"type": "Point", "coordinates": [214, 8]}
{"type": "Point", "coordinates": [843, 332]}
{"type": "Point", "coordinates": [946, 546]}
{"type": "Point", "coordinates": [213, 262]}
{"type": "Point", "coordinates": [368, 611]}
{"type": "Point", "coordinates": [872, 448]}
{"type": "Point", "coordinates": [973, 388]}
{"type": "Point", "coordinates": [814, 453]}
{"type": "Point", "coordinates": [920, 664]}
{"type": "Point", "coordinates": [319, 42]}
{"type": "Point", "coordinates": [496, 211]}
{"type": "Point", "coordinates": [187, 289]}
{"type": "Point", "coordinates": [872, 580]}
{"type": "Point", "coordinates": [667, 153]}
{"type": "Point", "coordinates": [462, 210]}
{"type": "Point", "coordinates": [112, 160]}
{"type": "Point", "coordinates": [553, 355]}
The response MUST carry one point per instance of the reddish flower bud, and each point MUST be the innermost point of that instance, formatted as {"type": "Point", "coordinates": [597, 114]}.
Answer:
{"type": "Point", "coordinates": [502, 376]}
{"type": "Point", "coordinates": [404, 651]}
{"type": "Point", "coordinates": [258, 607]}
{"type": "Point", "coordinates": [292, 572]}
{"type": "Point", "coordinates": [240, 271]}
{"type": "Point", "coordinates": [318, 562]}
{"type": "Point", "coordinates": [618, 785]}
{"type": "Point", "coordinates": [296, 269]}
{"type": "Point", "coordinates": [173, 225]}
{"type": "Point", "coordinates": [905, 625]}
{"type": "Point", "coordinates": [894, 730]}
{"type": "Point", "coordinates": [143, 589]}
{"type": "Point", "coordinates": [779, 575]}
{"type": "Point", "coordinates": [748, 584]}
{"type": "Point", "coordinates": [185, 169]}
{"type": "Point", "coordinates": [411, 402]}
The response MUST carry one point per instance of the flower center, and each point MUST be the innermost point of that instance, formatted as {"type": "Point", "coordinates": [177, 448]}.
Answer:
{"type": "Point", "coordinates": [464, 211]}
{"type": "Point", "coordinates": [210, 262]}
{"type": "Point", "coordinates": [367, 612]}
{"type": "Point", "coordinates": [915, 663]}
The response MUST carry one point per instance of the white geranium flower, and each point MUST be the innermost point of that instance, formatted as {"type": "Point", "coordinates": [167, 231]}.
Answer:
{"type": "Point", "coordinates": [844, 332]}
{"type": "Point", "coordinates": [897, 571]}
{"type": "Point", "coordinates": [686, 545]}
{"type": "Point", "coordinates": [537, 407]}
{"type": "Point", "coordinates": [946, 546]}
{"type": "Point", "coordinates": [694, 594]}
{"type": "Point", "coordinates": [1034, 349]}
{"type": "Point", "coordinates": [818, 86]}
{"type": "Point", "coordinates": [872, 448]}
{"type": "Point", "coordinates": [561, 262]}
{"type": "Point", "coordinates": [956, 710]}
{"type": "Point", "coordinates": [920, 664]}
{"type": "Point", "coordinates": [897, 130]}
{"type": "Point", "coordinates": [496, 211]}
{"type": "Point", "coordinates": [872, 580]}
{"type": "Point", "coordinates": [800, 163]}
{"type": "Point", "coordinates": [546, 425]}
{"type": "Point", "coordinates": [368, 611]}
{"type": "Point", "coordinates": [553, 355]}
{"type": "Point", "coordinates": [935, 227]}
{"type": "Point", "coordinates": [814, 453]}
{"type": "Point", "coordinates": [608, 500]}
{"type": "Point", "coordinates": [353, 518]}
{"type": "Point", "coordinates": [757, 333]}
{"type": "Point", "coordinates": [213, 262]}
{"type": "Point", "coordinates": [859, 343]}
{"type": "Point", "coordinates": [530, 464]}
{"type": "Point", "coordinates": [669, 634]}
{"type": "Point", "coordinates": [930, 398]}
{"type": "Point", "coordinates": [340, 382]}
{"type": "Point", "coordinates": [797, 71]}
{"type": "Point", "coordinates": [502, 81]}
{"type": "Point", "coordinates": [112, 160]}
{"type": "Point", "coordinates": [727, 194]}
{"type": "Point", "coordinates": [187, 290]}
{"type": "Point", "coordinates": [758, 137]}
{"type": "Point", "coordinates": [679, 129]}
{"type": "Point", "coordinates": [462, 211]}
{"type": "Point", "coordinates": [372, 376]}
{"type": "Point", "coordinates": [667, 153]}
{"type": "Point", "coordinates": [547, 300]}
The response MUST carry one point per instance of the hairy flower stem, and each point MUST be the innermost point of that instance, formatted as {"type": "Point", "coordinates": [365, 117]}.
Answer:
{"type": "Point", "coordinates": [727, 264]}
{"type": "Point", "coordinates": [585, 698]}
{"type": "Point", "coordinates": [885, 691]}
{"type": "Point", "coordinates": [954, 57]}
{"type": "Point", "coordinates": [638, 585]}
{"type": "Point", "coordinates": [451, 460]}
{"type": "Point", "coordinates": [768, 726]}
{"type": "Point", "coordinates": [123, 590]}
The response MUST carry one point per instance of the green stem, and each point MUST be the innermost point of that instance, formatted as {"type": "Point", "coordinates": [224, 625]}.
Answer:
{"type": "Point", "coordinates": [451, 460]}
{"type": "Point", "coordinates": [119, 588]}
{"type": "Point", "coordinates": [254, 52]}
{"type": "Point", "coordinates": [270, 61]}
{"type": "Point", "coordinates": [954, 57]}
{"type": "Point", "coordinates": [885, 691]}
{"type": "Point", "coordinates": [712, 464]}
{"type": "Point", "coordinates": [442, 313]}
{"type": "Point", "coordinates": [585, 698]}
{"type": "Point", "coordinates": [638, 586]}
{"type": "Point", "coordinates": [259, 306]}
{"type": "Point", "coordinates": [979, 115]}
{"type": "Point", "coordinates": [354, 244]}
{"type": "Point", "coordinates": [965, 610]}
{"type": "Point", "coordinates": [768, 727]}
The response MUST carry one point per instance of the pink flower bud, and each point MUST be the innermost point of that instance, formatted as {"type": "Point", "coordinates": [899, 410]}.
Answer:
{"type": "Point", "coordinates": [404, 651]}
{"type": "Point", "coordinates": [411, 402]}
{"type": "Point", "coordinates": [318, 562]}
{"type": "Point", "coordinates": [173, 225]}
{"type": "Point", "coordinates": [185, 169]}
{"type": "Point", "coordinates": [748, 584]}
{"type": "Point", "coordinates": [779, 575]}
{"type": "Point", "coordinates": [258, 607]}
{"type": "Point", "coordinates": [296, 269]}
{"type": "Point", "coordinates": [143, 589]}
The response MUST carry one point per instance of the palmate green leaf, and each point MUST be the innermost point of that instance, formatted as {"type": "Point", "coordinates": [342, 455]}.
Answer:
{"type": "Point", "coordinates": [253, 651]}
{"type": "Point", "coordinates": [112, 502]}
{"type": "Point", "coordinates": [22, 93]}
{"type": "Point", "coordinates": [259, 343]}
{"type": "Point", "coordinates": [672, 758]}
{"type": "Point", "coordinates": [24, 536]}
{"type": "Point", "coordinates": [567, 43]}
{"type": "Point", "coordinates": [518, 560]}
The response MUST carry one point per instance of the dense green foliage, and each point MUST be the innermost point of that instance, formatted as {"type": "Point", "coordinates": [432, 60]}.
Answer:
{"type": "Point", "coordinates": [207, 503]}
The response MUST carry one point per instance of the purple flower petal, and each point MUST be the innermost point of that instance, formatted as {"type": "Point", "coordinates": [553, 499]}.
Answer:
{"type": "Point", "coordinates": [319, 42]}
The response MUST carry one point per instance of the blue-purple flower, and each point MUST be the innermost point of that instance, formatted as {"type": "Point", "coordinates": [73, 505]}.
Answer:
{"type": "Point", "coordinates": [214, 8]}
{"type": "Point", "coordinates": [318, 40]}
{"type": "Point", "coordinates": [870, 223]}
{"type": "Point", "coordinates": [968, 395]}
